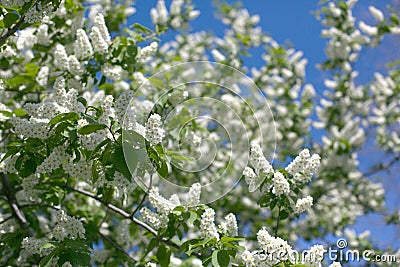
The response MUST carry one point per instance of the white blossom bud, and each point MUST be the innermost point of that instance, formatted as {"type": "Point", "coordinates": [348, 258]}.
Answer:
{"type": "Point", "coordinates": [376, 13]}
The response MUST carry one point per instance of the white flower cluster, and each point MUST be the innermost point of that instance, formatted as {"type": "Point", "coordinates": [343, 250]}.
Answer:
{"type": "Point", "coordinates": [273, 250]}
{"type": "Point", "coordinates": [281, 185]}
{"type": "Point", "coordinates": [208, 229]}
{"type": "Point", "coordinates": [122, 184]}
{"type": "Point", "coordinates": [123, 235]}
{"type": "Point", "coordinates": [242, 23]}
{"type": "Point", "coordinates": [67, 226]}
{"type": "Point", "coordinates": [28, 188]}
{"type": "Point", "coordinates": [386, 112]}
{"type": "Point", "coordinates": [194, 194]}
{"type": "Point", "coordinates": [314, 256]}
{"type": "Point", "coordinates": [147, 52]}
{"type": "Point", "coordinates": [163, 207]}
{"type": "Point", "coordinates": [60, 57]}
{"type": "Point", "coordinates": [303, 166]}
{"type": "Point", "coordinates": [42, 76]}
{"type": "Point", "coordinates": [258, 161]}
{"type": "Point", "coordinates": [67, 100]}
{"type": "Point", "coordinates": [34, 128]}
{"type": "Point", "coordinates": [113, 72]}
{"type": "Point", "coordinates": [44, 110]}
{"type": "Point", "coordinates": [53, 161]}
{"type": "Point", "coordinates": [99, 35]}
{"type": "Point", "coordinates": [13, 3]}
{"type": "Point", "coordinates": [122, 109]}
{"type": "Point", "coordinates": [33, 246]}
{"type": "Point", "coordinates": [154, 130]}
{"type": "Point", "coordinates": [82, 46]}
{"type": "Point", "coordinates": [207, 226]}
{"type": "Point", "coordinates": [37, 12]}
{"type": "Point", "coordinates": [8, 165]}
{"type": "Point", "coordinates": [179, 13]}
{"type": "Point", "coordinates": [42, 34]}
{"type": "Point", "coordinates": [229, 226]}
{"type": "Point", "coordinates": [303, 204]}
{"type": "Point", "coordinates": [249, 175]}
{"type": "Point", "coordinates": [82, 169]}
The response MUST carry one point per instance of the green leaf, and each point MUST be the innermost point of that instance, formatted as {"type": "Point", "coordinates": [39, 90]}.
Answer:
{"type": "Point", "coordinates": [19, 112]}
{"type": "Point", "coordinates": [47, 245]}
{"type": "Point", "coordinates": [98, 147]}
{"type": "Point", "coordinates": [120, 162]}
{"type": "Point", "coordinates": [163, 256]}
{"type": "Point", "coordinates": [157, 82]}
{"type": "Point", "coordinates": [283, 214]}
{"type": "Point", "coordinates": [95, 170]}
{"type": "Point", "coordinates": [142, 28]}
{"type": "Point", "coordinates": [220, 258]}
{"type": "Point", "coordinates": [28, 167]}
{"type": "Point", "coordinates": [45, 261]}
{"type": "Point", "coordinates": [10, 19]}
{"type": "Point", "coordinates": [91, 128]}
{"type": "Point", "coordinates": [72, 116]}
{"type": "Point", "coordinates": [214, 259]}
{"type": "Point", "coordinates": [82, 100]}
{"type": "Point", "coordinates": [227, 239]}
{"type": "Point", "coordinates": [75, 257]}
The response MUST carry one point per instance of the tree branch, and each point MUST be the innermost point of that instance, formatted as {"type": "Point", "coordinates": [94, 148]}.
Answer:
{"type": "Point", "coordinates": [112, 243]}
{"type": "Point", "coordinates": [124, 214]}
{"type": "Point", "coordinates": [9, 193]}
{"type": "Point", "coordinates": [381, 167]}
{"type": "Point", "coordinates": [12, 30]}
{"type": "Point", "coordinates": [6, 219]}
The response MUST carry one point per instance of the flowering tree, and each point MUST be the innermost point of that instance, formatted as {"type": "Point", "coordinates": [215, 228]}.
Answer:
{"type": "Point", "coordinates": [116, 149]}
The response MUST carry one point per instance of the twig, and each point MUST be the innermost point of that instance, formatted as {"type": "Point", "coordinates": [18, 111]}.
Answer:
{"type": "Point", "coordinates": [124, 214]}
{"type": "Point", "coordinates": [4, 137]}
{"type": "Point", "coordinates": [12, 201]}
{"type": "Point", "coordinates": [277, 221]}
{"type": "Point", "coordinates": [116, 246]}
{"type": "Point", "coordinates": [382, 167]}
{"type": "Point", "coordinates": [12, 30]}
{"type": "Point", "coordinates": [143, 199]}
{"type": "Point", "coordinates": [140, 204]}
{"type": "Point", "coordinates": [6, 219]}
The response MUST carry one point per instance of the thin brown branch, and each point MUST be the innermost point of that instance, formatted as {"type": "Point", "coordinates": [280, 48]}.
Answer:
{"type": "Point", "coordinates": [124, 214]}
{"type": "Point", "coordinates": [6, 219]}
{"type": "Point", "coordinates": [382, 167]}
{"type": "Point", "coordinates": [12, 30]}
{"type": "Point", "coordinates": [9, 193]}
{"type": "Point", "coordinates": [143, 199]}
{"type": "Point", "coordinates": [112, 243]}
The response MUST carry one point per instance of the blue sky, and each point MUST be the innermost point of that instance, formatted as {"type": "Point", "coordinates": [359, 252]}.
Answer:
{"type": "Point", "coordinates": [292, 21]}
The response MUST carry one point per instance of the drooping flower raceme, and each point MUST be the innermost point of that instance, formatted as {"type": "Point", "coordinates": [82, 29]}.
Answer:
{"type": "Point", "coordinates": [67, 226]}
{"type": "Point", "coordinates": [229, 226]}
{"type": "Point", "coordinates": [82, 47]}
{"type": "Point", "coordinates": [303, 204]}
{"type": "Point", "coordinates": [258, 161]}
{"type": "Point", "coordinates": [154, 131]}
{"type": "Point", "coordinates": [303, 166]}
{"type": "Point", "coordinates": [207, 225]}
{"type": "Point", "coordinates": [281, 185]}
